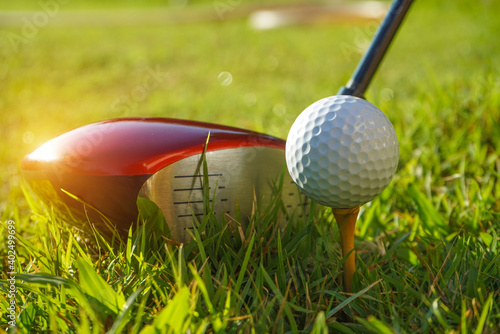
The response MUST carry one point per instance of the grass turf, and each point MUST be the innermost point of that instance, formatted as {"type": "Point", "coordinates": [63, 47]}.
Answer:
{"type": "Point", "coordinates": [427, 247]}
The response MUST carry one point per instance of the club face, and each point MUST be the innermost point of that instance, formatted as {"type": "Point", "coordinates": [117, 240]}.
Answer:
{"type": "Point", "coordinates": [239, 179]}
{"type": "Point", "coordinates": [97, 171]}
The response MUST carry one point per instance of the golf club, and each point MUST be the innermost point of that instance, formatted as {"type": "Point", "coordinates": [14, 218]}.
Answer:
{"type": "Point", "coordinates": [97, 172]}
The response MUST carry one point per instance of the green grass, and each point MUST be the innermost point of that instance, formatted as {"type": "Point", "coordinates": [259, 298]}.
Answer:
{"type": "Point", "coordinates": [428, 257]}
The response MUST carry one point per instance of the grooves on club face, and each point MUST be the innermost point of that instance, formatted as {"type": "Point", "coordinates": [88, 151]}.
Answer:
{"type": "Point", "coordinates": [234, 176]}
{"type": "Point", "coordinates": [99, 170]}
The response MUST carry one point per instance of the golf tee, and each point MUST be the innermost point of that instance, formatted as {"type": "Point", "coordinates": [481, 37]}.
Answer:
{"type": "Point", "coordinates": [346, 221]}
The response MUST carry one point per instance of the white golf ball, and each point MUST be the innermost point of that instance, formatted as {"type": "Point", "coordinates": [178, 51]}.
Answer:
{"type": "Point", "coordinates": [342, 151]}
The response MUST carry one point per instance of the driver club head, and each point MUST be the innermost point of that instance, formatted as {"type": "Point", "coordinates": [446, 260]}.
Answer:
{"type": "Point", "coordinates": [98, 171]}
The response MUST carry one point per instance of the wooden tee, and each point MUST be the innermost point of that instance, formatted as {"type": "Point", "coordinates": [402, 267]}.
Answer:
{"type": "Point", "coordinates": [346, 221]}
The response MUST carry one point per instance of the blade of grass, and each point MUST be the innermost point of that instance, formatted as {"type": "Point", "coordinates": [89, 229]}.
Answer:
{"type": "Point", "coordinates": [484, 314]}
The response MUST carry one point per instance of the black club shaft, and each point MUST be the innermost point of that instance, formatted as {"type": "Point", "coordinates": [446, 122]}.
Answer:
{"type": "Point", "coordinates": [367, 67]}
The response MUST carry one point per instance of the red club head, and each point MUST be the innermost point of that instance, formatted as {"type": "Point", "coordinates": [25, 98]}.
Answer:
{"type": "Point", "coordinates": [104, 165]}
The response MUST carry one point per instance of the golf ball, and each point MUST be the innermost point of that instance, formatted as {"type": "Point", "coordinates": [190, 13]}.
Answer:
{"type": "Point", "coordinates": [342, 151]}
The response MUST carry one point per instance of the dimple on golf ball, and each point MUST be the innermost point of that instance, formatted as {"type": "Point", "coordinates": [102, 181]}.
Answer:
{"type": "Point", "coordinates": [342, 151]}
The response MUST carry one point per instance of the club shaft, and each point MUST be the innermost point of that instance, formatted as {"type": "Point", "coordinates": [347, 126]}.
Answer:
{"type": "Point", "coordinates": [367, 67]}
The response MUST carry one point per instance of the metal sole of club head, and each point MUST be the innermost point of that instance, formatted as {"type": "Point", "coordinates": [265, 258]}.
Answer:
{"type": "Point", "coordinates": [238, 178]}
